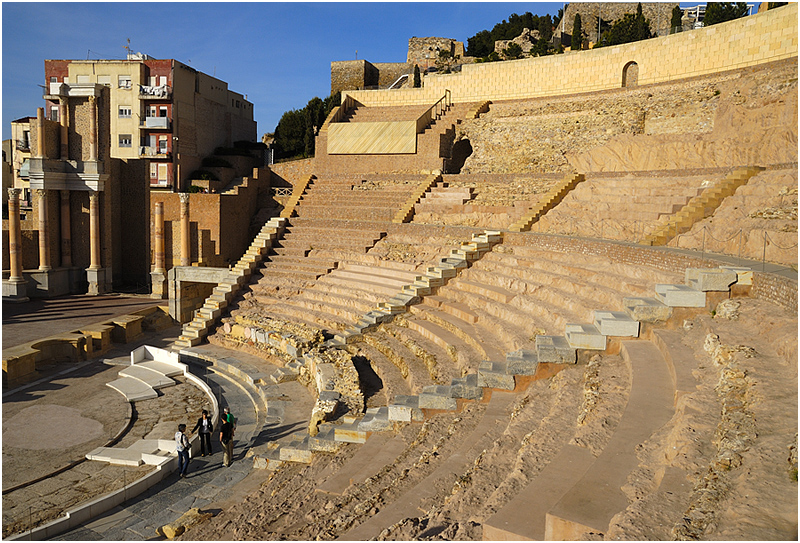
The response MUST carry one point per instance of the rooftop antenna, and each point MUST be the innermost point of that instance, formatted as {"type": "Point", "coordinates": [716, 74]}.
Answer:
{"type": "Point", "coordinates": [128, 49]}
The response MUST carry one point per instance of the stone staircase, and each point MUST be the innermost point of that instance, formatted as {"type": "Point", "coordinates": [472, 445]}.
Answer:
{"type": "Point", "coordinates": [205, 317]}
{"type": "Point", "coordinates": [297, 194]}
{"type": "Point", "coordinates": [548, 202]}
{"type": "Point", "coordinates": [700, 206]}
{"type": "Point", "coordinates": [441, 199]}
{"type": "Point", "coordinates": [406, 212]}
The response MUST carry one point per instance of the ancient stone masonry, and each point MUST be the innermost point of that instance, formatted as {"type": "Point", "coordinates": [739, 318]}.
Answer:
{"type": "Point", "coordinates": [425, 51]}
{"type": "Point", "coordinates": [659, 14]}
{"type": "Point", "coordinates": [525, 40]}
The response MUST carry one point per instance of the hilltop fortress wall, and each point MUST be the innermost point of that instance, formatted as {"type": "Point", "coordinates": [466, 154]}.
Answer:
{"type": "Point", "coordinates": [745, 42]}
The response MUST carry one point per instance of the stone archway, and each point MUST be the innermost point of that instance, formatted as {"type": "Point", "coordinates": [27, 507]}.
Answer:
{"type": "Point", "coordinates": [630, 74]}
{"type": "Point", "coordinates": [462, 149]}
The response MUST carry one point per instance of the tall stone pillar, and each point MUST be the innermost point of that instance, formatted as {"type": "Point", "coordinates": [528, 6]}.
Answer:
{"type": "Point", "coordinates": [94, 230]}
{"type": "Point", "coordinates": [15, 289]}
{"type": "Point", "coordinates": [44, 232]}
{"type": "Point", "coordinates": [95, 273]}
{"type": "Point", "coordinates": [92, 128]}
{"type": "Point", "coordinates": [66, 236]}
{"type": "Point", "coordinates": [159, 274]}
{"type": "Point", "coordinates": [186, 254]}
{"type": "Point", "coordinates": [63, 118]}
{"type": "Point", "coordinates": [40, 132]}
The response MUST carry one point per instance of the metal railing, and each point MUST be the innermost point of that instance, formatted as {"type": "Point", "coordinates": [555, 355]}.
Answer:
{"type": "Point", "coordinates": [435, 112]}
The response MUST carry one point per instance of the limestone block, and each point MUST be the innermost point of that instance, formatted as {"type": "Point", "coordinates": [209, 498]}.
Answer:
{"type": "Point", "coordinates": [555, 349]}
{"type": "Point", "coordinates": [283, 375]}
{"type": "Point", "coordinates": [616, 323]}
{"type": "Point", "coordinates": [324, 441]}
{"type": "Point", "coordinates": [349, 432]}
{"type": "Point", "coordinates": [585, 336]}
{"type": "Point", "coordinates": [187, 520]}
{"type": "Point", "coordinates": [680, 296]}
{"type": "Point", "coordinates": [646, 309]}
{"type": "Point", "coordinates": [708, 280]}
{"type": "Point", "coordinates": [744, 276]}
{"type": "Point", "coordinates": [466, 387]}
{"type": "Point", "coordinates": [405, 409]}
{"type": "Point", "coordinates": [376, 419]}
{"type": "Point", "coordinates": [494, 375]}
{"type": "Point", "coordinates": [297, 451]}
{"type": "Point", "coordinates": [433, 400]}
{"type": "Point", "coordinates": [522, 362]}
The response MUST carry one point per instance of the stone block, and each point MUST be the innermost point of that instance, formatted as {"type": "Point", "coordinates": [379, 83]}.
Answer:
{"type": "Point", "coordinates": [680, 296]}
{"type": "Point", "coordinates": [376, 419]}
{"type": "Point", "coordinates": [283, 375]}
{"type": "Point", "coordinates": [555, 349]}
{"type": "Point", "coordinates": [616, 323]}
{"type": "Point", "coordinates": [585, 336]}
{"type": "Point", "coordinates": [297, 451]}
{"type": "Point", "coordinates": [522, 362]}
{"type": "Point", "coordinates": [646, 309]}
{"type": "Point", "coordinates": [349, 432]}
{"type": "Point", "coordinates": [405, 409]}
{"type": "Point", "coordinates": [494, 375]}
{"type": "Point", "coordinates": [744, 276]}
{"type": "Point", "coordinates": [434, 400]}
{"type": "Point", "coordinates": [466, 387]}
{"type": "Point", "coordinates": [710, 280]}
{"type": "Point", "coordinates": [324, 441]}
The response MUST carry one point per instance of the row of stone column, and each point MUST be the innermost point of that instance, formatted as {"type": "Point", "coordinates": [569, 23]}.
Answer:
{"type": "Point", "coordinates": [158, 216]}
{"type": "Point", "coordinates": [15, 232]}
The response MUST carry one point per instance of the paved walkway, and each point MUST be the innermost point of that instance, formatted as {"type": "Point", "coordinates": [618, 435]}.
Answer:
{"type": "Point", "coordinates": [208, 482]}
{"type": "Point", "coordinates": [40, 318]}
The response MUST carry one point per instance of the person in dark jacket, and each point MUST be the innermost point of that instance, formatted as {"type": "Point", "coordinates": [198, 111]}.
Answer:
{"type": "Point", "coordinates": [226, 438]}
{"type": "Point", "coordinates": [205, 428]}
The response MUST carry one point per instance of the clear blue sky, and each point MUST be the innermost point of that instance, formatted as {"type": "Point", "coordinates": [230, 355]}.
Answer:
{"type": "Point", "coordinates": [279, 54]}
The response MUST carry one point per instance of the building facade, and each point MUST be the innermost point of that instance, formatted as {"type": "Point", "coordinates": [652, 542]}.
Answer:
{"type": "Point", "coordinates": [161, 110]}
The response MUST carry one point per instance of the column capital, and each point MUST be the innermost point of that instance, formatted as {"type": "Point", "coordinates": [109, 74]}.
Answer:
{"type": "Point", "coordinates": [14, 193]}
{"type": "Point", "coordinates": [184, 197]}
{"type": "Point", "coordinates": [64, 195]}
{"type": "Point", "coordinates": [93, 194]}
{"type": "Point", "coordinates": [41, 193]}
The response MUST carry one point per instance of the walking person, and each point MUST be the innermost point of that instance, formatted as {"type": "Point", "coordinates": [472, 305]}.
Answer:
{"type": "Point", "coordinates": [226, 438]}
{"type": "Point", "coordinates": [182, 445]}
{"type": "Point", "coordinates": [227, 415]}
{"type": "Point", "coordinates": [205, 427]}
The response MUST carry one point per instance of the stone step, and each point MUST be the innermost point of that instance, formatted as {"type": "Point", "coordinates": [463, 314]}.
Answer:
{"type": "Point", "coordinates": [585, 336]}
{"type": "Point", "coordinates": [297, 451]}
{"type": "Point", "coordinates": [522, 362]}
{"type": "Point", "coordinates": [134, 390]}
{"type": "Point", "coordinates": [675, 295]}
{"type": "Point", "coordinates": [376, 419]}
{"type": "Point", "coordinates": [615, 323]}
{"type": "Point", "coordinates": [349, 432]}
{"type": "Point", "coordinates": [437, 397]}
{"type": "Point", "coordinates": [494, 374]}
{"type": "Point", "coordinates": [710, 280]}
{"type": "Point", "coordinates": [644, 309]}
{"type": "Point", "coordinates": [555, 349]}
{"type": "Point", "coordinates": [498, 294]}
{"type": "Point", "coordinates": [405, 409]}
{"type": "Point", "coordinates": [466, 387]}
{"type": "Point", "coordinates": [152, 378]}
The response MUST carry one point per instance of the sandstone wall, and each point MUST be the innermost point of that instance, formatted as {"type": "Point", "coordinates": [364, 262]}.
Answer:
{"type": "Point", "coordinates": [425, 51]}
{"type": "Point", "coordinates": [352, 74]}
{"type": "Point", "coordinates": [749, 41]}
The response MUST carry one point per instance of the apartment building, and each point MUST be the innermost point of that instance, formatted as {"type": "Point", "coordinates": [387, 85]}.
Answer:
{"type": "Point", "coordinates": [161, 110]}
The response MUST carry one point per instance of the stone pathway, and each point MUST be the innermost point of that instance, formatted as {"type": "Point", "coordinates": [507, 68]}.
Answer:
{"type": "Point", "coordinates": [208, 481]}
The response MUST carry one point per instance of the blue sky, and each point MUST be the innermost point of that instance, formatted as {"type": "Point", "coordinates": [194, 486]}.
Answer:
{"type": "Point", "coordinates": [279, 54]}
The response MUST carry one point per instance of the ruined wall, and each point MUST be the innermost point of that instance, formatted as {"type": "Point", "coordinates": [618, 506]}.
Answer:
{"type": "Point", "coordinates": [425, 51]}
{"type": "Point", "coordinates": [659, 14]}
{"type": "Point", "coordinates": [388, 72]}
{"type": "Point", "coordinates": [288, 174]}
{"type": "Point", "coordinates": [352, 74]}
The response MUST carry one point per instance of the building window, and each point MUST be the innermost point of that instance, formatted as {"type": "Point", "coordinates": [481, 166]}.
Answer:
{"type": "Point", "coordinates": [53, 79]}
{"type": "Point", "coordinates": [124, 112]}
{"type": "Point", "coordinates": [83, 80]}
{"type": "Point", "coordinates": [124, 140]}
{"type": "Point", "coordinates": [124, 81]}
{"type": "Point", "coordinates": [162, 145]}
{"type": "Point", "coordinates": [104, 80]}
{"type": "Point", "coordinates": [162, 111]}
{"type": "Point", "coordinates": [54, 113]}
{"type": "Point", "coordinates": [153, 170]}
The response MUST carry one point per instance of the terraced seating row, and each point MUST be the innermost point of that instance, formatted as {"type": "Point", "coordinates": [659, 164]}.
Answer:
{"type": "Point", "coordinates": [620, 208]}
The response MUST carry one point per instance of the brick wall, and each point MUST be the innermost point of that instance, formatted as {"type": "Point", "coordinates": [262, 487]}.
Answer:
{"type": "Point", "coordinates": [288, 174]}
{"type": "Point", "coordinates": [749, 41]}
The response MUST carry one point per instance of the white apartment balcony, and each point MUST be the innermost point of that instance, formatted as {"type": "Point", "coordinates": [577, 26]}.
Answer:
{"type": "Point", "coordinates": [157, 122]}
{"type": "Point", "coordinates": [147, 92]}
{"type": "Point", "coordinates": [153, 152]}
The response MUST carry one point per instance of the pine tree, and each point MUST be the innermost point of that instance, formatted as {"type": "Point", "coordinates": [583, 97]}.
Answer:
{"type": "Point", "coordinates": [719, 12]}
{"type": "Point", "coordinates": [577, 32]}
{"type": "Point", "coordinates": [676, 25]}
{"type": "Point", "coordinates": [417, 78]}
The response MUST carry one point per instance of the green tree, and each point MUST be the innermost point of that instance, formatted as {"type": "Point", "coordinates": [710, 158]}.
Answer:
{"type": "Point", "coordinates": [540, 48]}
{"type": "Point", "coordinates": [676, 25]}
{"type": "Point", "coordinates": [545, 28]}
{"type": "Point", "coordinates": [480, 45]}
{"type": "Point", "coordinates": [628, 29]}
{"type": "Point", "coordinates": [577, 33]}
{"type": "Point", "coordinates": [294, 135]}
{"type": "Point", "coordinates": [417, 78]}
{"type": "Point", "coordinates": [513, 51]}
{"type": "Point", "coordinates": [719, 12]}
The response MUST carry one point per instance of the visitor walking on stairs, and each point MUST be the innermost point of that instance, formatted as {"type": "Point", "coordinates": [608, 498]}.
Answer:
{"type": "Point", "coordinates": [226, 438]}
{"type": "Point", "coordinates": [182, 446]}
{"type": "Point", "coordinates": [205, 428]}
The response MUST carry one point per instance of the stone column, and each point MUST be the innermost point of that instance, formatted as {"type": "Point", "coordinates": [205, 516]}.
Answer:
{"type": "Point", "coordinates": [158, 277]}
{"type": "Point", "coordinates": [40, 133]}
{"type": "Point", "coordinates": [94, 230]}
{"type": "Point", "coordinates": [15, 289]}
{"type": "Point", "coordinates": [186, 254]}
{"type": "Point", "coordinates": [14, 235]}
{"type": "Point", "coordinates": [92, 128]}
{"type": "Point", "coordinates": [158, 218]}
{"type": "Point", "coordinates": [44, 232]}
{"type": "Point", "coordinates": [63, 118]}
{"type": "Point", "coordinates": [66, 236]}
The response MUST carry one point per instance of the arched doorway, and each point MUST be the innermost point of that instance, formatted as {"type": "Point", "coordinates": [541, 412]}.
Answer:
{"type": "Point", "coordinates": [462, 149]}
{"type": "Point", "coordinates": [630, 74]}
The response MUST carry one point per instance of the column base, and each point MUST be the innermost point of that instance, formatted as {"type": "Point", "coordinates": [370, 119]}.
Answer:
{"type": "Point", "coordinates": [15, 292]}
{"type": "Point", "coordinates": [48, 283]}
{"type": "Point", "coordinates": [158, 287]}
{"type": "Point", "coordinates": [99, 281]}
